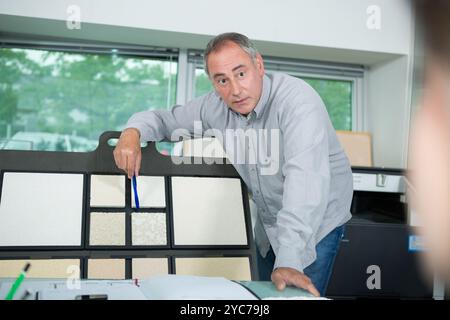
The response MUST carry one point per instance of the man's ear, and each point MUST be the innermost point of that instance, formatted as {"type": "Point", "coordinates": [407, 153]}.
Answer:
{"type": "Point", "coordinates": [259, 64]}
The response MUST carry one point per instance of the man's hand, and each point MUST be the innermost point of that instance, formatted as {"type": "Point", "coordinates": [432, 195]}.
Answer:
{"type": "Point", "coordinates": [127, 153]}
{"type": "Point", "coordinates": [283, 277]}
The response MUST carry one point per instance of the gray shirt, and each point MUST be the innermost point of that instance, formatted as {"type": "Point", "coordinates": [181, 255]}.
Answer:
{"type": "Point", "coordinates": [286, 151]}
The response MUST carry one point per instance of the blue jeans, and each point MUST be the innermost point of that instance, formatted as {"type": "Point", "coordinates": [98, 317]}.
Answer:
{"type": "Point", "coordinates": [320, 270]}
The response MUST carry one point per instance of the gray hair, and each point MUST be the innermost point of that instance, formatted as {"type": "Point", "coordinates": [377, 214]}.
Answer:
{"type": "Point", "coordinates": [217, 42]}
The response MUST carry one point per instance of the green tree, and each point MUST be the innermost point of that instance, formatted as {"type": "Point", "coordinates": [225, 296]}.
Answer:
{"type": "Point", "coordinates": [337, 97]}
{"type": "Point", "coordinates": [202, 83]}
{"type": "Point", "coordinates": [80, 95]}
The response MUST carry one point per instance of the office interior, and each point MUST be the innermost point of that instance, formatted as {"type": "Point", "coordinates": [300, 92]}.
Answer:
{"type": "Point", "coordinates": [73, 72]}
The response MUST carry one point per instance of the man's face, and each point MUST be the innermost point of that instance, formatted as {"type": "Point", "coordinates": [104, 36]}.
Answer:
{"type": "Point", "coordinates": [236, 77]}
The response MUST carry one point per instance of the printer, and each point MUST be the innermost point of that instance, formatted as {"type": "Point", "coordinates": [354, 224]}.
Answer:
{"type": "Point", "coordinates": [380, 254]}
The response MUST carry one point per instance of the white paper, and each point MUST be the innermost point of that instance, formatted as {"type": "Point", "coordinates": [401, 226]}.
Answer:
{"type": "Point", "coordinates": [208, 211]}
{"type": "Point", "coordinates": [49, 289]}
{"type": "Point", "coordinates": [41, 209]}
{"type": "Point", "coordinates": [174, 287]}
{"type": "Point", "coordinates": [114, 291]}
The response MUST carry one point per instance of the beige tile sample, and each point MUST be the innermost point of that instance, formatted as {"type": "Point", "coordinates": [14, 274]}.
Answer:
{"type": "Point", "coordinates": [107, 228]}
{"type": "Point", "coordinates": [106, 269]}
{"type": "Point", "coordinates": [147, 267]}
{"type": "Point", "coordinates": [48, 268]}
{"type": "Point", "coordinates": [232, 268]}
{"type": "Point", "coordinates": [107, 191]}
{"type": "Point", "coordinates": [208, 211]}
{"type": "Point", "coordinates": [41, 209]}
{"type": "Point", "coordinates": [151, 192]}
{"type": "Point", "coordinates": [148, 228]}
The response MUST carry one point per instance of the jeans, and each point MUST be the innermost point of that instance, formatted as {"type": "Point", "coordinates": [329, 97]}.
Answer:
{"type": "Point", "coordinates": [320, 270]}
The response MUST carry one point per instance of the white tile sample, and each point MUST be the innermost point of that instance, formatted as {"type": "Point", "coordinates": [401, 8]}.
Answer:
{"type": "Point", "coordinates": [148, 228]}
{"type": "Point", "coordinates": [232, 268]}
{"type": "Point", "coordinates": [41, 209]}
{"type": "Point", "coordinates": [148, 267]}
{"type": "Point", "coordinates": [208, 211]}
{"type": "Point", "coordinates": [151, 192]}
{"type": "Point", "coordinates": [107, 191]}
{"type": "Point", "coordinates": [54, 268]}
{"type": "Point", "coordinates": [107, 228]}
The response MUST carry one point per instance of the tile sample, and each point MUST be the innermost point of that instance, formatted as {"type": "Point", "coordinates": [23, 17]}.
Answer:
{"type": "Point", "coordinates": [41, 209]}
{"type": "Point", "coordinates": [49, 268]}
{"type": "Point", "coordinates": [147, 267]}
{"type": "Point", "coordinates": [208, 211]}
{"type": "Point", "coordinates": [148, 228]}
{"type": "Point", "coordinates": [107, 228]}
{"type": "Point", "coordinates": [106, 269]}
{"type": "Point", "coordinates": [232, 268]}
{"type": "Point", "coordinates": [151, 192]}
{"type": "Point", "coordinates": [107, 191]}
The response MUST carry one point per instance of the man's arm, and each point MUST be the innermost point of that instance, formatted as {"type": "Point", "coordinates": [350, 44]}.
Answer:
{"type": "Point", "coordinates": [305, 191]}
{"type": "Point", "coordinates": [157, 125]}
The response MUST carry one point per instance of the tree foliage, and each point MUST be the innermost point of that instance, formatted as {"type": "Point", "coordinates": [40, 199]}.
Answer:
{"type": "Point", "coordinates": [80, 95]}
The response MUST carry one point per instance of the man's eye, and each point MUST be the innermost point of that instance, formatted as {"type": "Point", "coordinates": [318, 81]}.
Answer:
{"type": "Point", "coordinates": [241, 74]}
{"type": "Point", "coordinates": [222, 81]}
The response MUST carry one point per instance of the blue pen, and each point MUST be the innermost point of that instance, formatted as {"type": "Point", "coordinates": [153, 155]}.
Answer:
{"type": "Point", "coordinates": [136, 197]}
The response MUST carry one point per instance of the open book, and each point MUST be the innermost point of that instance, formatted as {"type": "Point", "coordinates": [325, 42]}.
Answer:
{"type": "Point", "coordinates": [177, 287]}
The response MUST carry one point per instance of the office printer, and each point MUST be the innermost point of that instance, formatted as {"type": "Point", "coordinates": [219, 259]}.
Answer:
{"type": "Point", "coordinates": [379, 256]}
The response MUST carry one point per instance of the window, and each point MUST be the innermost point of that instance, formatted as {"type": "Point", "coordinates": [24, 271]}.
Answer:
{"type": "Point", "coordinates": [202, 83]}
{"type": "Point", "coordinates": [62, 99]}
{"type": "Point", "coordinates": [335, 83]}
{"type": "Point", "coordinates": [337, 97]}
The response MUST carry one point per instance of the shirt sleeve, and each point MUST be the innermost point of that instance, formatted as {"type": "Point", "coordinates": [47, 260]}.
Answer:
{"type": "Point", "coordinates": [306, 184]}
{"type": "Point", "coordinates": [172, 125]}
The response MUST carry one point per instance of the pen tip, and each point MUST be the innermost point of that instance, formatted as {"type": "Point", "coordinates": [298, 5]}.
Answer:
{"type": "Point", "coordinates": [27, 266]}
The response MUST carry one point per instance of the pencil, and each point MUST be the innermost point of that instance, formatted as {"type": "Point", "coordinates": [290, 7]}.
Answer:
{"type": "Point", "coordinates": [18, 282]}
{"type": "Point", "coordinates": [136, 197]}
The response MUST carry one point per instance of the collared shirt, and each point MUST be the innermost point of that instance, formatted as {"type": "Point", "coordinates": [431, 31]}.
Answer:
{"type": "Point", "coordinates": [286, 151]}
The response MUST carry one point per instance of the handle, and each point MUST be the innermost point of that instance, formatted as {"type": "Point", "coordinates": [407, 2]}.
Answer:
{"type": "Point", "coordinates": [106, 136]}
{"type": "Point", "coordinates": [104, 159]}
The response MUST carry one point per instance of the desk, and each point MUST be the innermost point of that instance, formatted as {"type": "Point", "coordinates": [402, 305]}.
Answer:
{"type": "Point", "coordinates": [169, 287]}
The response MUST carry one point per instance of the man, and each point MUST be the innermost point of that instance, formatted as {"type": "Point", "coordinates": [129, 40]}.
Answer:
{"type": "Point", "coordinates": [430, 143]}
{"type": "Point", "coordinates": [303, 206]}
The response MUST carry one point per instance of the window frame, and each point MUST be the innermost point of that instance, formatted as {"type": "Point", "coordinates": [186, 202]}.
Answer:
{"type": "Point", "coordinates": [356, 95]}
{"type": "Point", "coordinates": [188, 60]}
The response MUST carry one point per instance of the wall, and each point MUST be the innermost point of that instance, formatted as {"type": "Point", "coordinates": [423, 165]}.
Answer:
{"type": "Point", "coordinates": [329, 30]}
{"type": "Point", "coordinates": [387, 111]}
{"type": "Point", "coordinates": [323, 23]}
